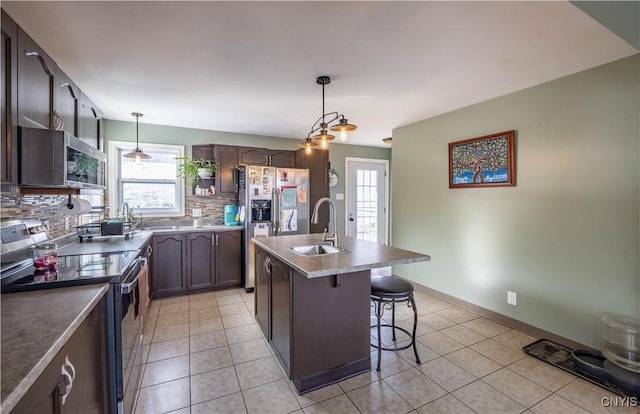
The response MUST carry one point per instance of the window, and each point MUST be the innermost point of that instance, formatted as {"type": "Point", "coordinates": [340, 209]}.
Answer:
{"type": "Point", "coordinates": [150, 187]}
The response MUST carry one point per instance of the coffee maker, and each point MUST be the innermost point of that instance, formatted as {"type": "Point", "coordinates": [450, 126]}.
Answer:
{"type": "Point", "coordinates": [230, 215]}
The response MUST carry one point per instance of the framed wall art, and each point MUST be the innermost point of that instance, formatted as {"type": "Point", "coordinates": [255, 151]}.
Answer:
{"type": "Point", "coordinates": [486, 161]}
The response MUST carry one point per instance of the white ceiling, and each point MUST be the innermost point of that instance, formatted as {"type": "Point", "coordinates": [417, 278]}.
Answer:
{"type": "Point", "coordinates": [250, 67]}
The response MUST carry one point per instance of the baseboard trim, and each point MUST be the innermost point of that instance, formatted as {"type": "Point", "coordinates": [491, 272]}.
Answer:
{"type": "Point", "coordinates": [500, 318]}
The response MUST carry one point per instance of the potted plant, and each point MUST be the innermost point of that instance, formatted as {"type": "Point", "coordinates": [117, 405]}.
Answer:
{"type": "Point", "coordinates": [193, 170]}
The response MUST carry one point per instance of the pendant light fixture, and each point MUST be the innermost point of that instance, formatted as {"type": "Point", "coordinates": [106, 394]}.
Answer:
{"type": "Point", "coordinates": [343, 127]}
{"type": "Point", "coordinates": [137, 152]}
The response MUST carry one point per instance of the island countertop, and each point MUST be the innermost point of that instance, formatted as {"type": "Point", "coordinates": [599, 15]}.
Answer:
{"type": "Point", "coordinates": [361, 255]}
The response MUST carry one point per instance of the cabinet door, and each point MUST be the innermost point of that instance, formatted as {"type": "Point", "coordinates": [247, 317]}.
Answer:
{"type": "Point", "coordinates": [35, 84]}
{"type": "Point", "coordinates": [169, 264]}
{"type": "Point", "coordinates": [252, 156]}
{"type": "Point", "coordinates": [281, 311]}
{"type": "Point", "coordinates": [200, 260]}
{"type": "Point", "coordinates": [89, 122]}
{"type": "Point", "coordinates": [261, 292]}
{"type": "Point", "coordinates": [282, 158]}
{"type": "Point", "coordinates": [228, 258]}
{"type": "Point", "coordinates": [87, 392]}
{"type": "Point", "coordinates": [9, 101]}
{"type": "Point", "coordinates": [68, 103]}
{"type": "Point", "coordinates": [318, 164]}
{"type": "Point", "coordinates": [226, 176]}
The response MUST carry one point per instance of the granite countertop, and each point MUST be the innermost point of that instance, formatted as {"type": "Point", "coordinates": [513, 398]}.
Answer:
{"type": "Point", "coordinates": [35, 326]}
{"type": "Point", "coordinates": [362, 255]}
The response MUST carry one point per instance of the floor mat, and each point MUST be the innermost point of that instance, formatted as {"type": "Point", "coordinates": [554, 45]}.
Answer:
{"type": "Point", "coordinates": [560, 356]}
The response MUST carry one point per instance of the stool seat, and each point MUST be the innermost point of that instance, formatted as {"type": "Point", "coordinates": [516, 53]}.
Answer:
{"type": "Point", "coordinates": [390, 287]}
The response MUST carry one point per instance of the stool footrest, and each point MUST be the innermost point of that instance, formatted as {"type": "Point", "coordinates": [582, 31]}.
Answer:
{"type": "Point", "coordinates": [396, 348]}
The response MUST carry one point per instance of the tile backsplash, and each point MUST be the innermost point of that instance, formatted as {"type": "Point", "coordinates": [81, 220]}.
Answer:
{"type": "Point", "coordinates": [47, 208]}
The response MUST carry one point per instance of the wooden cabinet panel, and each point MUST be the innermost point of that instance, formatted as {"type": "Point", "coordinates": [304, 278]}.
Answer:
{"type": "Point", "coordinates": [228, 258]}
{"type": "Point", "coordinates": [35, 84]}
{"type": "Point", "coordinates": [67, 103]}
{"type": "Point", "coordinates": [261, 292]}
{"type": "Point", "coordinates": [201, 265]}
{"type": "Point", "coordinates": [281, 311]}
{"type": "Point", "coordinates": [318, 164]}
{"type": "Point", "coordinates": [8, 101]}
{"type": "Point", "coordinates": [89, 122]}
{"type": "Point", "coordinates": [85, 352]}
{"type": "Point", "coordinates": [226, 174]}
{"type": "Point", "coordinates": [282, 158]}
{"type": "Point", "coordinates": [169, 264]}
{"type": "Point", "coordinates": [253, 156]}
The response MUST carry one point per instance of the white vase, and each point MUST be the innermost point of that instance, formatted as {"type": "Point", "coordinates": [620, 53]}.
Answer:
{"type": "Point", "coordinates": [204, 173]}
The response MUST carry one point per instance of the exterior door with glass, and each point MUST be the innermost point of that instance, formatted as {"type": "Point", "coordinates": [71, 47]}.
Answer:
{"type": "Point", "coordinates": [366, 199]}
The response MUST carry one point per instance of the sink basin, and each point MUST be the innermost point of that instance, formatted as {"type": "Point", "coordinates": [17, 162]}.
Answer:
{"type": "Point", "coordinates": [317, 249]}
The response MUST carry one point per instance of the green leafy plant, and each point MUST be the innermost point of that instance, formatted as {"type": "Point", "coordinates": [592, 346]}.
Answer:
{"type": "Point", "coordinates": [188, 168]}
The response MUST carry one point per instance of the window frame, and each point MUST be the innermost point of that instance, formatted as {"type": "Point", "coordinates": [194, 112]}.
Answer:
{"type": "Point", "coordinates": [115, 181]}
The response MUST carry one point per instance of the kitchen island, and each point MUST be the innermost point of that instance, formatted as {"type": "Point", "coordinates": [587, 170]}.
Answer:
{"type": "Point", "coordinates": [314, 310]}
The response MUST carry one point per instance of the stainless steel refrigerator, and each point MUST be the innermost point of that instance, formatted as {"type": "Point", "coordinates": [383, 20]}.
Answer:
{"type": "Point", "coordinates": [276, 202]}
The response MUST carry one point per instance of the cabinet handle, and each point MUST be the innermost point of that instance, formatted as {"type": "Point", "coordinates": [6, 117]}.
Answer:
{"type": "Point", "coordinates": [69, 377]}
{"type": "Point", "coordinates": [217, 240]}
{"type": "Point", "coordinates": [42, 61]}
{"type": "Point", "coordinates": [213, 239]}
{"type": "Point", "coordinates": [149, 250]}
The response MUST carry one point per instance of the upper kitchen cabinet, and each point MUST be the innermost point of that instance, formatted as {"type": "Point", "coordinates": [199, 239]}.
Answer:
{"type": "Point", "coordinates": [67, 104]}
{"type": "Point", "coordinates": [9, 102]}
{"type": "Point", "coordinates": [36, 90]}
{"type": "Point", "coordinates": [89, 122]}
{"type": "Point", "coordinates": [318, 164]}
{"type": "Point", "coordinates": [226, 173]}
{"type": "Point", "coordinates": [253, 156]}
{"type": "Point", "coordinates": [282, 158]}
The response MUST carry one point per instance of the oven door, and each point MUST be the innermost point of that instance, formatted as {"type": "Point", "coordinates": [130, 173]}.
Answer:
{"type": "Point", "coordinates": [129, 360]}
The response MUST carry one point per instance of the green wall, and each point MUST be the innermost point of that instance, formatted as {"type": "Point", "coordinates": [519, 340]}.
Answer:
{"type": "Point", "coordinates": [566, 238]}
{"type": "Point", "coordinates": [160, 134]}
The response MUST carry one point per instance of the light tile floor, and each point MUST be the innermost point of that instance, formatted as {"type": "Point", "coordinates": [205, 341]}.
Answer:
{"type": "Point", "coordinates": [205, 354]}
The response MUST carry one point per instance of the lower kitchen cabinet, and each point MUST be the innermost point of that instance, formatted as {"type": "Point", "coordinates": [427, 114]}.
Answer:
{"type": "Point", "coordinates": [76, 379]}
{"type": "Point", "coordinates": [169, 264]}
{"type": "Point", "coordinates": [302, 317]}
{"type": "Point", "coordinates": [195, 261]}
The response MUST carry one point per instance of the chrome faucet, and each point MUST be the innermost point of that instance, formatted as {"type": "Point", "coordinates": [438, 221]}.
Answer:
{"type": "Point", "coordinates": [125, 207]}
{"type": "Point", "coordinates": [332, 237]}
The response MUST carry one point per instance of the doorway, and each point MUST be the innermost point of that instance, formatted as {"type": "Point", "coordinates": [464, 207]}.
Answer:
{"type": "Point", "coordinates": [367, 199]}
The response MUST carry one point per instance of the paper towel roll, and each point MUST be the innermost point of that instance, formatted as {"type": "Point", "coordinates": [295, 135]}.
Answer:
{"type": "Point", "coordinates": [74, 206]}
{"type": "Point", "coordinates": [85, 206]}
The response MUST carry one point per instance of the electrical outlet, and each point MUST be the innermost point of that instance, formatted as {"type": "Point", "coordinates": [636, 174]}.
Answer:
{"type": "Point", "coordinates": [66, 223]}
{"type": "Point", "coordinates": [512, 298]}
{"type": "Point", "coordinates": [196, 212]}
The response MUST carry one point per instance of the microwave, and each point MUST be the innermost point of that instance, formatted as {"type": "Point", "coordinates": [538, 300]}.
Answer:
{"type": "Point", "coordinates": [49, 158]}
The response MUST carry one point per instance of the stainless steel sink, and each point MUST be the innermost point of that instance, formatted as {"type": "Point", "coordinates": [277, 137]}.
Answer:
{"type": "Point", "coordinates": [317, 250]}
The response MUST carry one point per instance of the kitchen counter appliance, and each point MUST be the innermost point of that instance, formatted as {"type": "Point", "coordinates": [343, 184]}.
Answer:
{"type": "Point", "coordinates": [124, 316]}
{"type": "Point", "coordinates": [276, 202]}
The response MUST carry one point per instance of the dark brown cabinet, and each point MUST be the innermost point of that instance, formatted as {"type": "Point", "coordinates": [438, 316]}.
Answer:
{"type": "Point", "coordinates": [36, 92]}
{"type": "Point", "coordinates": [253, 156]}
{"type": "Point", "coordinates": [282, 158]}
{"type": "Point", "coordinates": [318, 164]}
{"type": "Point", "coordinates": [89, 122]}
{"type": "Point", "coordinates": [228, 258]}
{"type": "Point", "coordinates": [226, 175]}
{"type": "Point", "coordinates": [67, 103]}
{"type": "Point", "coordinates": [75, 381]}
{"type": "Point", "coordinates": [9, 102]}
{"type": "Point", "coordinates": [195, 261]}
{"type": "Point", "coordinates": [169, 264]}
{"type": "Point", "coordinates": [281, 311]}
{"type": "Point", "coordinates": [261, 292]}
{"type": "Point", "coordinates": [302, 317]}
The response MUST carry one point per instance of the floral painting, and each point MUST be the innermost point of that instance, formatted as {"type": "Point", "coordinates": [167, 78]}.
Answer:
{"type": "Point", "coordinates": [486, 161]}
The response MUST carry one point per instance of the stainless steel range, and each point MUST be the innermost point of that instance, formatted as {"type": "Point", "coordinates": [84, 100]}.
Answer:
{"type": "Point", "coordinates": [122, 270]}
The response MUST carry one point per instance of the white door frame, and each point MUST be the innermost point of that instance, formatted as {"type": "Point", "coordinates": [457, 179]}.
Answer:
{"type": "Point", "coordinates": [386, 191]}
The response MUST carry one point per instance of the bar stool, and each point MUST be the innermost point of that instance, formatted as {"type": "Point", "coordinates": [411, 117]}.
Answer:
{"type": "Point", "coordinates": [386, 292]}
